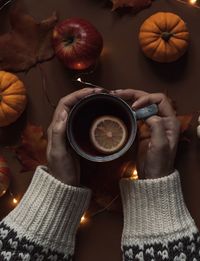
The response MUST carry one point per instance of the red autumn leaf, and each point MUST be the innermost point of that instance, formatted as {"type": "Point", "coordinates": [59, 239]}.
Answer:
{"type": "Point", "coordinates": [185, 121]}
{"type": "Point", "coordinates": [137, 5]}
{"type": "Point", "coordinates": [32, 150]}
{"type": "Point", "coordinates": [27, 44]}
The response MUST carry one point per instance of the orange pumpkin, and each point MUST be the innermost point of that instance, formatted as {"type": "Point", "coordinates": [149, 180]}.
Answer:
{"type": "Point", "coordinates": [12, 98]}
{"type": "Point", "coordinates": [4, 176]}
{"type": "Point", "coordinates": [164, 37]}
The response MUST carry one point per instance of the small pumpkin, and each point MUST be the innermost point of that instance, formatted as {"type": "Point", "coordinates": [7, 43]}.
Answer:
{"type": "Point", "coordinates": [12, 98]}
{"type": "Point", "coordinates": [164, 37]}
{"type": "Point", "coordinates": [4, 176]}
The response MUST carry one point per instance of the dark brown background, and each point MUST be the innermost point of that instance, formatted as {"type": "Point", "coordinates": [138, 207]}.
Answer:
{"type": "Point", "coordinates": [122, 66]}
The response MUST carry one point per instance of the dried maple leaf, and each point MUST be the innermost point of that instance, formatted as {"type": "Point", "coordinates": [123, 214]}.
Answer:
{"type": "Point", "coordinates": [27, 43]}
{"type": "Point", "coordinates": [32, 150]}
{"type": "Point", "coordinates": [137, 5]}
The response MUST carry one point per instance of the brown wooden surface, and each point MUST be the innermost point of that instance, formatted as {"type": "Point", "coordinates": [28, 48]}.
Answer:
{"type": "Point", "coordinates": [122, 66]}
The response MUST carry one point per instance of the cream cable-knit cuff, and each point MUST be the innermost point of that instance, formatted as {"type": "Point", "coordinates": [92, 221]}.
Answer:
{"type": "Point", "coordinates": [50, 212]}
{"type": "Point", "coordinates": [154, 209]}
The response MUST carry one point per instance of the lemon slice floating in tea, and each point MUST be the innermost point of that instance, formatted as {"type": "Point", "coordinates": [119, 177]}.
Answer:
{"type": "Point", "coordinates": [108, 134]}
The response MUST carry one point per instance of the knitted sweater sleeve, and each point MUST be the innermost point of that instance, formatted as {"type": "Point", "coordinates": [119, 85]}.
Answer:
{"type": "Point", "coordinates": [44, 224]}
{"type": "Point", "coordinates": [157, 224]}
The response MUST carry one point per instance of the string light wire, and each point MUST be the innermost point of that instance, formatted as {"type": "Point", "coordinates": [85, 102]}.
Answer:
{"type": "Point", "coordinates": [84, 217]}
{"type": "Point", "coordinates": [134, 176]}
{"type": "Point", "coordinates": [5, 4]}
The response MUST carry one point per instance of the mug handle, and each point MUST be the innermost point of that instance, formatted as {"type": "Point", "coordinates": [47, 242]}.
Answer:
{"type": "Point", "coordinates": [146, 112]}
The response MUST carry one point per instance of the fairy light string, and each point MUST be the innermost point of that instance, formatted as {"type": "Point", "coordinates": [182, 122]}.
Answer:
{"type": "Point", "coordinates": [86, 216]}
{"type": "Point", "coordinates": [193, 3]}
{"type": "Point", "coordinates": [129, 172]}
{"type": "Point", "coordinates": [14, 200]}
{"type": "Point", "coordinates": [87, 83]}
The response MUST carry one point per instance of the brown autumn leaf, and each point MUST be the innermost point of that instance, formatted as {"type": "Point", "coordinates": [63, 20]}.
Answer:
{"type": "Point", "coordinates": [32, 150]}
{"type": "Point", "coordinates": [28, 42]}
{"type": "Point", "coordinates": [137, 5]}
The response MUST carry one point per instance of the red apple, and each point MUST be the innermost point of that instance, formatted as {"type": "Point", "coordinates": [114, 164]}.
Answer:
{"type": "Point", "coordinates": [77, 43]}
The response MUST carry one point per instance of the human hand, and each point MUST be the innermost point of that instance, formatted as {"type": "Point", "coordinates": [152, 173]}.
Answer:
{"type": "Point", "coordinates": [61, 163]}
{"type": "Point", "coordinates": [156, 153]}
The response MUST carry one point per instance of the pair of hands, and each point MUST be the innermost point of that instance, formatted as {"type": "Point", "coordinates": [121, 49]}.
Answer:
{"type": "Point", "coordinates": [159, 150]}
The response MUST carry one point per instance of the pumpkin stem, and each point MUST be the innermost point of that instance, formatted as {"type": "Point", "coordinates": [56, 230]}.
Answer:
{"type": "Point", "coordinates": [166, 36]}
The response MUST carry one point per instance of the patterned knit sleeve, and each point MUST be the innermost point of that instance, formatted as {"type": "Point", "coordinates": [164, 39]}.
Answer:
{"type": "Point", "coordinates": [157, 224]}
{"type": "Point", "coordinates": [44, 224]}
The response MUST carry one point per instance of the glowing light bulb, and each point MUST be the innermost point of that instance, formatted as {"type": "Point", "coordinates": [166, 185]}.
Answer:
{"type": "Point", "coordinates": [3, 192]}
{"type": "Point", "coordinates": [134, 175]}
{"type": "Point", "coordinates": [83, 219]}
{"type": "Point", "coordinates": [15, 201]}
{"type": "Point", "coordinates": [79, 66]}
{"type": "Point", "coordinates": [192, 2]}
{"type": "Point", "coordinates": [78, 79]}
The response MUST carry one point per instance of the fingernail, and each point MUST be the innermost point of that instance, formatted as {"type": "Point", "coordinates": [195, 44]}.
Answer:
{"type": "Point", "coordinates": [99, 89]}
{"type": "Point", "coordinates": [103, 90]}
{"type": "Point", "coordinates": [134, 104]}
{"type": "Point", "coordinates": [113, 91]}
{"type": "Point", "coordinates": [116, 91]}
